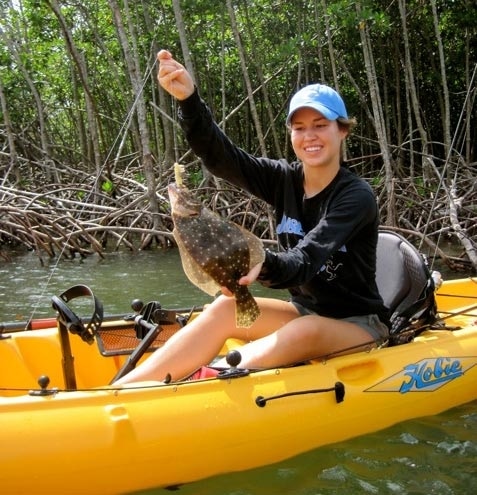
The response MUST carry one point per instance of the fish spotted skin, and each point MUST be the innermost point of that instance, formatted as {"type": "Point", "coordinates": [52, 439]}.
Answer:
{"type": "Point", "coordinates": [215, 252]}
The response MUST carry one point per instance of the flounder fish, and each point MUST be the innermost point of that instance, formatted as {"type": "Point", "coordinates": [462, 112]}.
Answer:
{"type": "Point", "coordinates": [215, 252]}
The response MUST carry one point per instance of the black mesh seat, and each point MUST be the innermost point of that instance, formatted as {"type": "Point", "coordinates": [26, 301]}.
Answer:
{"type": "Point", "coordinates": [406, 286]}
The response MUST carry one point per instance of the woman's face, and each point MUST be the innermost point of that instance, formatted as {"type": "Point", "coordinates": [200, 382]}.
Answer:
{"type": "Point", "coordinates": [316, 140]}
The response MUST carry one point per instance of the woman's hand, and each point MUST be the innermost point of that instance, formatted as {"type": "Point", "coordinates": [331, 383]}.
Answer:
{"type": "Point", "coordinates": [251, 275]}
{"type": "Point", "coordinates": [245, 280]}
{"type": "Point", "coordinates": [173, 77]}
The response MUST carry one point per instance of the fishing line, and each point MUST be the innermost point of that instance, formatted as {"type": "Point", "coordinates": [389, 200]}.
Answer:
{"type": "Point", "coordinates": [122, 131]}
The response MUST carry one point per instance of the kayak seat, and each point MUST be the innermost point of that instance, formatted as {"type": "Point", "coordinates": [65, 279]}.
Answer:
{"type": "Point", "coordinates": [406, 286]}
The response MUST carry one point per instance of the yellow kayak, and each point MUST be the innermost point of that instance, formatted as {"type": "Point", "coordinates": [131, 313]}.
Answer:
{"type": "Point", "coordinates": [65, 430]}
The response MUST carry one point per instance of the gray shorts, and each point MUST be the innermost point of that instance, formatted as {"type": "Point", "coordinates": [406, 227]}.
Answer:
{"type": "Point", "coordinates": [371, 323]}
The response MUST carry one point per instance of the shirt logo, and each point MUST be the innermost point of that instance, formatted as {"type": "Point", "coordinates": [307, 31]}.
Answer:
{"type": "Point", "coordinates": [330, 269]}
{"type": "Point", "coordinates": [290, 226]}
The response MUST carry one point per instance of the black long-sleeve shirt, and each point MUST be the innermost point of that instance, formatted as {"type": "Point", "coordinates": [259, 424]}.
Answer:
{"type": "Point", "coordinates": [328, 242]}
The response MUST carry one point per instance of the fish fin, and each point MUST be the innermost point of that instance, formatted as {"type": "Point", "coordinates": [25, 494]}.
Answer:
{"type": "Point", "coordinates": [193, 270]}
{"type": "Point", "coordinates": [246, 308]}
{"type": "Point", "coordinates": [178, 174]}
{"type": "Point", "coordinates": [255, 247]}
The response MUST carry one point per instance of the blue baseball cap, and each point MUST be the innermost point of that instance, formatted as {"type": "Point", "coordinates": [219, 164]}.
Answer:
{"type": "Point", "coordinates": [321, 98]}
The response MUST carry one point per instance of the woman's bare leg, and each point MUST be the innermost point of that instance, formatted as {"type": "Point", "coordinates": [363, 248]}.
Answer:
{"type": "Point", "coordinates": [201, 340]}
{"type": "Point", "coordinates": [304, 338]}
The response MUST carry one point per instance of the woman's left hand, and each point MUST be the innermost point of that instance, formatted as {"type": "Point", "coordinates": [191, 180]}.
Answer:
{"type": "Point", "coordinates": [245, 280]}
{"type": "Point", "coordinates": [251, 276]}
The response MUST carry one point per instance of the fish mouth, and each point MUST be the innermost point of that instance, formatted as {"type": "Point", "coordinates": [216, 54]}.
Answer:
{"type": "Point", "coordinates": [173, 192]}
{"type": "Point", "coordinates": [172, 188]}
{"type": "Point", "coordinates": [183, 203]}
{"type": "Point", "coordinates": [177, 193]}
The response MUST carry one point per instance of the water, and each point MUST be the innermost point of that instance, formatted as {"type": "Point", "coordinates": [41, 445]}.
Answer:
{"type": "Point", "coordinates": [434, 455]}
{"type": "Point", "coordinates": [26, 287]}
{"type": "Point", "coordinates": [430, 456]}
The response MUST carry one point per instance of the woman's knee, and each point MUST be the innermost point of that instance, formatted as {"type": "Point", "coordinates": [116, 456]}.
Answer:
{"type": "Point", "coordinates": [222, 305]}
{"type": "Point", "coordinates": [219, 315]}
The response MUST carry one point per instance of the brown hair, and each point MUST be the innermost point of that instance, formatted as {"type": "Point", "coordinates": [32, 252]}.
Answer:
{"type": "Point", "coordinates": [346, 124]}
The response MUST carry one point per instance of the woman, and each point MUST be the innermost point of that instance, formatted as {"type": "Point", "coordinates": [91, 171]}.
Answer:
{"type": "Point", "coordinates": [327, 225]}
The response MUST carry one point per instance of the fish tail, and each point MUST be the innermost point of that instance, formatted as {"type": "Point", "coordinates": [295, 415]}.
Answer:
{"type": "Point", "coordinates": [178, 173]}
{"type": "Point", "coordinates": [246, 308]}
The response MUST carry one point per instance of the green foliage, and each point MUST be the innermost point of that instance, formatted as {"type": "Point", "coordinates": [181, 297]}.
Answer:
{"type": "Point", "coordinates": [195, 177]}
{"type": "Point", "coordinates": [107, 187]}
{"type": "Point", "coordinates": [139, 177]}
{"type": "Point", "coordinates": [287, 43]}
{"type": "Point", "coordinates": [377, 181]}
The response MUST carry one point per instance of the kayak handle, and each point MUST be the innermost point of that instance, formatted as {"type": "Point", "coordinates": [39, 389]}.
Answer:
{"type": "Point", "coordinates": [338, 389]}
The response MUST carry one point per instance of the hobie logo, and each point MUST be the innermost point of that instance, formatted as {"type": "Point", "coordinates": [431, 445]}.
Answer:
{"type": "Point", "coordinates": [430, 374]}
{"type": "Point", "coordinates": [426, 375]}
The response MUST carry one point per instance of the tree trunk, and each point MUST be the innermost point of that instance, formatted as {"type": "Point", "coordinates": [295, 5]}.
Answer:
{"type": "Point", "coordinates": [378, 114]}
{"type": "Point", "coordinates": [248, 83]}
{"type": "Point", "coordinates": [263, 85]}
{"type": "Point", "coordinates": [329, 41]}
{"type": "Point", "coordinates": [13, 167]}
{"type": "Point", "coordinates": [445, 88]}
{"type": "Point", "coordinates": [42, 120]}
{"type": "Point", "coordinates": [78, 59]}
{"type": "Point", "coordinates": [411, 88]}
{"type": "Point", "coordinates": [186, 55]}
{"type": "Point", "coordinates": [468, 101]}
{"type": "Point", "coordinates": [183, 38]}
{"type": "Point", "coordinates": [160, 117]}
{"type": "Point", "coordinates": [131, 57]}
{"type": "Point", "coordinates": [319, 29]}
{"type": "Point", "coordinates": [332, 58]}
